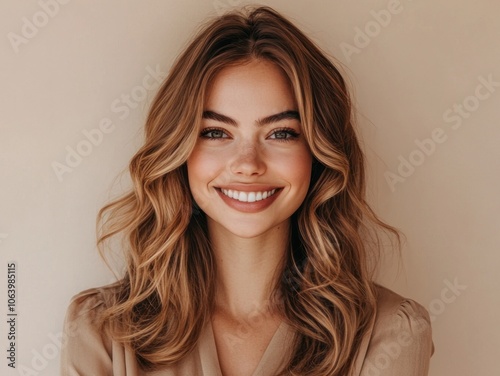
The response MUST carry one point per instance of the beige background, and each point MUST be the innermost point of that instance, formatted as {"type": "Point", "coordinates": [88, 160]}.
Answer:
{"type": "Point", "coordinates": [67, 77]}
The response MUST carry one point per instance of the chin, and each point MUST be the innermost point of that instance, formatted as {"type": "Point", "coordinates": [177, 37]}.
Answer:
{"type": "Point", "coordinates": [247, 233]}
{"type": "Point", "coordinates": [245, 229]}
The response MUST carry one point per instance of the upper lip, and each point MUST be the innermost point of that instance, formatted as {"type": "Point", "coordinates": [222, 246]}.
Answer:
{"type": "Point", "coordinates": [249, 187]}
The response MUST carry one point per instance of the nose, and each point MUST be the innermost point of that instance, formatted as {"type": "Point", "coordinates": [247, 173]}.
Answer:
{"type": "Point", "coordinates": [248, 161]}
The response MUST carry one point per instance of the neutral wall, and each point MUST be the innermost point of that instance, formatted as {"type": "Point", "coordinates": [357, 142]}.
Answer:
{"type": "Point", "coordinates": [429, 120]}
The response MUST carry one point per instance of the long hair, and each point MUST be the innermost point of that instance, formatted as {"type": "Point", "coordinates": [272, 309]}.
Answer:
{"type": "Point", "coordinates": [326, 291]}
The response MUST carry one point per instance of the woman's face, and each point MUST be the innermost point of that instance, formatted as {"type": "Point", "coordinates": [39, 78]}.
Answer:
{"type": "Point", "coordinates": [251, 166]}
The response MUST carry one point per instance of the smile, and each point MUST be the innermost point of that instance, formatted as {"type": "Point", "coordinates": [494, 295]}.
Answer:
{"type": "Point", "coordinates": [248, 196]}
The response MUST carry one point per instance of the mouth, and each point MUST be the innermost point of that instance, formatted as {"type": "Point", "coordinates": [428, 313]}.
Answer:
{"type": "Point", "coordinates": [248, 196]}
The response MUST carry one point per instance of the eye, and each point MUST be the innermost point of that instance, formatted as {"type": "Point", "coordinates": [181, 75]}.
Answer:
{"type": "Point", "coordinates": [284, 134]}
{"type": "Point", "coordinates": [213, 133]}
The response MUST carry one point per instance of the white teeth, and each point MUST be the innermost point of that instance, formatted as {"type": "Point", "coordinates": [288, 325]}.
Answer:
{"type": "Point", "coordinates": [247, 196]}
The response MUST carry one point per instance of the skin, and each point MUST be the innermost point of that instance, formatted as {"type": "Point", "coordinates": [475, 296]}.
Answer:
{"type": "Point", "coordinates": [249, 244]}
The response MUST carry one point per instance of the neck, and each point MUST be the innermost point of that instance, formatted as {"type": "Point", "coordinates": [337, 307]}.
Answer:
{"type": "Point", "coordinates": [247, 269]}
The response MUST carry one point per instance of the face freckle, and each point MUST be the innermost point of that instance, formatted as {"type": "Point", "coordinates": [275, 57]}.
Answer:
{"type": "Point", "coordinates": [251, 166]}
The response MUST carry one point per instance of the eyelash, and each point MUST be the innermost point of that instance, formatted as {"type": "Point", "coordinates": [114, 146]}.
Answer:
{"type": "Point", "coordinates": [206, 131]}
{"type": "Point", "coordinates": [293, 135]}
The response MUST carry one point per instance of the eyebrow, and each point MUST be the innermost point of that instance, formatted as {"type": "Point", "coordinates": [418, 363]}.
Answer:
{"type": "Point", "coordinates": [289, 114]}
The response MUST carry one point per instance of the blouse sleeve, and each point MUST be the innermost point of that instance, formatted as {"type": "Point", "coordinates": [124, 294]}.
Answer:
{"type": "Point", "coordinates": [401, 343]}
{"type": "Point", "coordinates": [86, 351]}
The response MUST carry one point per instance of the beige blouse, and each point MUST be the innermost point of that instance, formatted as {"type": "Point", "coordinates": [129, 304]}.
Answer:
{"type": "Point", "coordinates": [399, 343]}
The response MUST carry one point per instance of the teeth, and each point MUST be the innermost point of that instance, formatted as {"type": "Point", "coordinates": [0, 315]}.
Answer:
{"type": "Point", "coordinates": [247, 196]}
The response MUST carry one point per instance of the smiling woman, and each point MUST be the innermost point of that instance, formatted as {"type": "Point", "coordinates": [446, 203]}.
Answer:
{"type": "Point", "coordinates": [251, 155]}
{"type": "Point", "coordinates": [249, 240]}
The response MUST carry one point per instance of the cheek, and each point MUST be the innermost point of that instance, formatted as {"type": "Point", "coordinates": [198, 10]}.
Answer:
{"type": "Point", "coordinates": [202, 168]}
{"type": "Point", "coordinates": [194, 166]}
{"type": "Point", "coordinates": [298, 167]}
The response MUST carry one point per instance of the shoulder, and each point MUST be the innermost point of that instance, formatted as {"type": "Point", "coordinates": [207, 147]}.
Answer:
{"type": "Point", "coordinates": [401, 337]}
{"type": "Point", "coordinates": [391, 306]}
{"type": "Point", "coordinates": [86, 345]}
{"type": "Point", "coordinates": [87, 302]}
{"type": "Point", "coordinates": [86, 307]}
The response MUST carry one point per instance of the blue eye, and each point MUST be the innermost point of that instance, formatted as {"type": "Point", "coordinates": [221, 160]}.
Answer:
{"type": "Point", "coordinates": [285, 134]}
{"type": "Point", "coordinates": [213, 133]}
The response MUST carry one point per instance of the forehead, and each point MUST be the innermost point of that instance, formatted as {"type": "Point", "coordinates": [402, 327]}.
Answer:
{"type": "Point", "coordinates": [258, 83]}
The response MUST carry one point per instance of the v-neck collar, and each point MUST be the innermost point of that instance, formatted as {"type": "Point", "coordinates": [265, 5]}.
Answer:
{"type": "Point", "coordinates": [277, 351]}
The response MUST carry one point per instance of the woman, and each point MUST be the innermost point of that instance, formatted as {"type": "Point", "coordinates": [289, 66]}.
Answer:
{"type": "Point", "coordinates": [247, 230]}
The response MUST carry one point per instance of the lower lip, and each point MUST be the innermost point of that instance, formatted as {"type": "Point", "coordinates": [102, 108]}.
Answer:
{"type": "Point", "coordinates": [249, 207]}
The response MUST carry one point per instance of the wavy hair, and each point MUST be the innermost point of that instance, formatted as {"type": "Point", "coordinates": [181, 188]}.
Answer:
{"type": "Point", "coordinates": [326, 290]}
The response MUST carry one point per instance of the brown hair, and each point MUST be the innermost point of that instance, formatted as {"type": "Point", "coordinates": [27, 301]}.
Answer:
{"type": "Point", "coordinates": [326, 290]}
